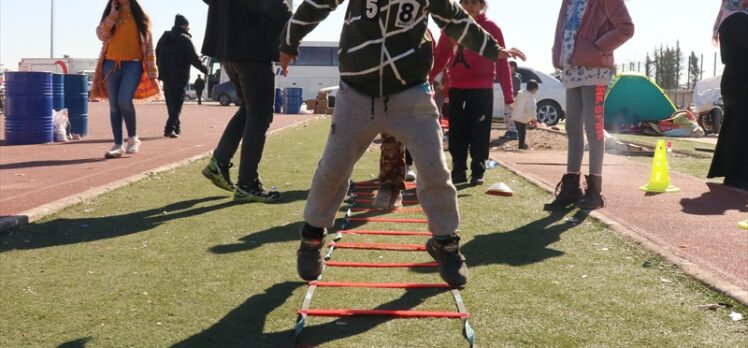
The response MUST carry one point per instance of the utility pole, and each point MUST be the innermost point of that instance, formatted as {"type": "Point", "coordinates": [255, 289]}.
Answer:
{"type": "Point", "coordinates": [715, 64]}
{"type": "Point", "coordinates": [52, 29]}
{"type": "Point", "coordinates": [701, 69]}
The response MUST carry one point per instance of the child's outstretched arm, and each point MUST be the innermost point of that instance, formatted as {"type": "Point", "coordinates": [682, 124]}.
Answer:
{"type": "Point", "coordinates": [309, 14]}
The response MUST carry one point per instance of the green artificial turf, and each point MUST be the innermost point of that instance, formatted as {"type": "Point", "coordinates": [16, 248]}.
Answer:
{"type": "Point", "coordinates": [689, 157]}
{"type": "Point", "coordinates": [171, 262]}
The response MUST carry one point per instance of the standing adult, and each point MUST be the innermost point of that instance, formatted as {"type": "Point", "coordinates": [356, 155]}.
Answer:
{"type": "Point", "coordinates": [471, 78]}
{"type": "Point", "coordinates": [245, 36]}
{"type": "Point", "coordinates": [731, 31]}
{"type": "Point", "coordinates": [174, 55]}
{"type": "Point", "coordinates": [126, 69]}
{"type": "Point", "coordinates": [587, 33]}
{"type": "Point", "coordinates": [199, 88]}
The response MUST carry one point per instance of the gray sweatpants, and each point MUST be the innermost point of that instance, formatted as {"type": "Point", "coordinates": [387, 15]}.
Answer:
{"type": "Point", "coordinates": [584, 115]}
{"type": "Point", "coordinates": [410, 116]}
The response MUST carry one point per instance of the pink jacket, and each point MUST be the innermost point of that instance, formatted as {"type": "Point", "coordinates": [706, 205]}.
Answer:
{"type": "Point", "coordinates": [606, 25]}
{"type": "Point", "coordinates": [482, 72]}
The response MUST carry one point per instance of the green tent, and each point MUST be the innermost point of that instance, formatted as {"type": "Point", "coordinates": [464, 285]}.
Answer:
{"type": "Point", "coordinates": [633, 98]}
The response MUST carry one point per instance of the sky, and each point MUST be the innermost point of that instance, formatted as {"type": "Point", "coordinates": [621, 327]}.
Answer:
{"type": "Point", "coordinates": [528, 25]}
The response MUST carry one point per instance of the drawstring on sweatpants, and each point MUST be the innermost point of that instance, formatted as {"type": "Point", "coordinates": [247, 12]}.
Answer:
{"type": "Point", "coordinates": [386, 104]}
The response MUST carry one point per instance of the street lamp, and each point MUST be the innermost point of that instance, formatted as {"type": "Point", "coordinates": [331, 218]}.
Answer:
{"type": "Point", "coordinates": [52, 29]}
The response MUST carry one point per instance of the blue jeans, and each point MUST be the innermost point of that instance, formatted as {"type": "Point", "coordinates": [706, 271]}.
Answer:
{"type": "Point", "coordinates": [121, 81]}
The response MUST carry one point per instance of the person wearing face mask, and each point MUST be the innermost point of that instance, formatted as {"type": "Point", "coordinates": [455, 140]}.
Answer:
{"type": "Point", "coordinates": [126, 69]}
{"type": "Point", "coordinates": [174, 56]}
{"type": "Point", "coordinates": [525, 111]}
{"type": "Point", "coordinates": [471, 79]}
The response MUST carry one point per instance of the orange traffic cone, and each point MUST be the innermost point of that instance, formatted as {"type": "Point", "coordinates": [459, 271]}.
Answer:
{"type": "Point", "coordinates": [659, 179]}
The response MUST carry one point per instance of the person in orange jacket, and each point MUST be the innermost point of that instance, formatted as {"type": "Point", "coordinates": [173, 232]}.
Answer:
{"type": "Point", "coordinates": [126, 69]}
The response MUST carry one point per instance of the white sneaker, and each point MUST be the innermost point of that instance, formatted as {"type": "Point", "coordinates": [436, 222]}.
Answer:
{"type": "Point", "coordinates": [133, 145]}
{"type": "Point", "coordinates": [410, 175]}
{"type": "Point", "coordinates": [115, 152]}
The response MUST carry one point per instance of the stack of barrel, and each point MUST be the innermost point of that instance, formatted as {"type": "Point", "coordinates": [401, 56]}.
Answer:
{"type": "Point", "coordinates": [278, 105]}
{"type": "Point", "coordinates": [292, 99]}
{"type": "Point", "coordinates": [32, 97]}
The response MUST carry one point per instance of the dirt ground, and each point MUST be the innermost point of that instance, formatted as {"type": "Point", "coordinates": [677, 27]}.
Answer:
{"type": "Point", "coordinates": [554, 139]}
{"type": "Point", "coordinates": [537, 139]}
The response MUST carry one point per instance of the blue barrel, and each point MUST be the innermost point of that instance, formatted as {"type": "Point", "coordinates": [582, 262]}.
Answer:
{"type": "Point", "coordinates": [293, 99]}
{"type": "Point", "coordinates": [76, 101]}
{"type": "Point", "coordinates": [28, 108]}
{"type": "Point", "coordinates": [278, 100]}
{"type": "Point", "coordinates": [58, 91]}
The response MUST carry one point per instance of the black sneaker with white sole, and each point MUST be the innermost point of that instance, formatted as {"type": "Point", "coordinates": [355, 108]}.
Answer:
{"type": "Point", "coordinates": [255, 193]}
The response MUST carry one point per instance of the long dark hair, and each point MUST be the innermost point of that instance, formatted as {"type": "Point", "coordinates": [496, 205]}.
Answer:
{"type": "Point", "coordinates": [141, 19]}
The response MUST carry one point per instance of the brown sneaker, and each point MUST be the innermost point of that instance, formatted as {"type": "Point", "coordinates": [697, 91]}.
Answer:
{"type": "Point", "coordinates": [309, 257]}
{"type": "Point", "coordinates": [452, 267]}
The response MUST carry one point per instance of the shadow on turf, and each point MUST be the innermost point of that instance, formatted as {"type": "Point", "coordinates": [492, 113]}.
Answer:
{"type": "Point", "coordinates": [522, 246]}
{"type": "Point", "coordinates": [286, 233]}
{"type": "Point", "coordinates": [77, 343]}
{"type": "Point", "coordinates": [244, 326]}
{"type": "Point", "coordinates": [278, 234]}
{"type": "Point", "coordinates": [81, 230]}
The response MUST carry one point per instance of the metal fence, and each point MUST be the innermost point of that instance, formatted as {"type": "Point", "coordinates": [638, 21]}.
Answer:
{"type": "Point", "coordinates": [681, 98]}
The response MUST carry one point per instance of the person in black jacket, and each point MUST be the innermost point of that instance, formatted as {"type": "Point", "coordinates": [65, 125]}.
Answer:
{"type": "Point", "coordinates": [245, 36]}
{"type": "Point", "coordinates": [174, 55]}
{"type": "Point", "coordinates": [199, 87]}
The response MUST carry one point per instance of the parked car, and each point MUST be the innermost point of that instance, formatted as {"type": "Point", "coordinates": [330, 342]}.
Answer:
{"type": "Point", "coordinates": [708, 104]}
{"type": "Point", "coordinates": [551, 96]}
{"type": "Point", "coordinates": [189, 92]}
{"type": "Point", "coordinates": [225, 94]}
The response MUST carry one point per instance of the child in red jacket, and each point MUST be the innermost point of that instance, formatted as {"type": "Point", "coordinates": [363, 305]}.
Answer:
{"type": "Point", "coordinates": [471, 95]}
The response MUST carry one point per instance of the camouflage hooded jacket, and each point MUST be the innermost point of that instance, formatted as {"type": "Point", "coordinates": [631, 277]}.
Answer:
{"type": "Point", "coordinates": [384, 47]}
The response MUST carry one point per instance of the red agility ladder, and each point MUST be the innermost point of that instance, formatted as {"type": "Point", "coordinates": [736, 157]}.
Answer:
{"type": "Point", "coordinates": [387, 233]}
{"type": "Point", "coordinates": [379, 246]}
{"type": "Point", "coordinates": [400, 210]}
{"type": "Point", "coordinates": [379, 285]}
{"type": "Point", "coordinates": [405, 201]}
{"type": "Point", "coordinates": [408, 186]}
{"type": "Point", "coordinates": [357, 191]}
{"type": "Point", "coordinates": [382, 312]}
{"type": "Point", "coordinates": [401, 221]}
{"type": "Point", "coordinates": [380, 264]}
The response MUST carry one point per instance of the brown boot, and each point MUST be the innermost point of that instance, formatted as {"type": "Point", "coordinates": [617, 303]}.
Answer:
{"type": "Point", "coordinates": [309, 256]}
{"type": "Point", "coordinates": [593, 196]}
{"type": "Point", "coordinates": [446, 252]}
{"type": "Point", "coordinates": [568, 193]}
